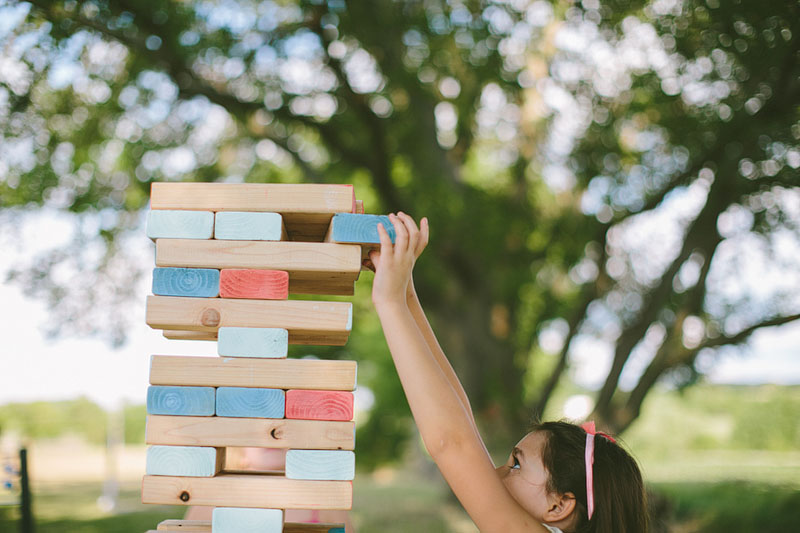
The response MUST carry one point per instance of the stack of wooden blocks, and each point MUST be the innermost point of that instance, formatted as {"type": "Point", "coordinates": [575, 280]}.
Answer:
{"type": "Point", "coordinates": [227, 258]}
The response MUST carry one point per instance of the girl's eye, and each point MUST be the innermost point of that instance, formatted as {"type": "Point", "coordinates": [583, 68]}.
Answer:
{"type": "Point", "coordinates": [515, 466]}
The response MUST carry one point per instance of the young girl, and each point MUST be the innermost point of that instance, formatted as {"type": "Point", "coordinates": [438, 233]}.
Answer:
{"type": "Point", "coordinates": [559, 477]}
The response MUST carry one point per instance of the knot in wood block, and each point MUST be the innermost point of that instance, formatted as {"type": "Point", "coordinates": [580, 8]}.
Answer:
{"type": "Point", "coordinates": [210, 318]}
{"type": "Point", "coordinates": [276, 433]}
{"type": "Point", "coordinates": [184, 496]}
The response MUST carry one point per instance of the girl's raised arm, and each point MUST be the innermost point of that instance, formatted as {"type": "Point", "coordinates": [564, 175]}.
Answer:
{"type": "Point", "coordinates": [443, 418]}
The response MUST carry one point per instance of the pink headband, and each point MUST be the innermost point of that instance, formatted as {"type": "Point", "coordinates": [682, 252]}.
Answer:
{"type": "Point", "coordinates": [589, 460]}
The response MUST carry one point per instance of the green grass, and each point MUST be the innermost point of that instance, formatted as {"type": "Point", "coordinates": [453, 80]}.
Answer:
{"type": "Point", "coordinates": [411, 504]}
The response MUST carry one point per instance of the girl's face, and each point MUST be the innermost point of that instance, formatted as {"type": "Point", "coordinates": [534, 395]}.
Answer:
{"type": "Point", "coordinates": [525, 476]}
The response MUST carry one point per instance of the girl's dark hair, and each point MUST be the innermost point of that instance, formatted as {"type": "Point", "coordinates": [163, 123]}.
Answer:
{"type": "Point", "coordinates": [620, 504]}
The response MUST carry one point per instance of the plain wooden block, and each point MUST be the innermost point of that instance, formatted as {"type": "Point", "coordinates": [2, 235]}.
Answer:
{"type": "Point", "coordinates": [195, 282]}
{"type": "Point", "coordinates": [185, 526]}
{"type": "Point", "coordinates": [253, 342]}
{"type": "Point", "coordinates": [250, 402]}
{"type": "Point", "coordinates": [239, 520]}
{"type": "Point", "coordinates": [251, 372]}
{"type": "Point", "coordinates": [308, 322]}
{"type": "Point", "coordinates": [320, 464]}
{"type": "Point", "coordinates": [190, 461]}
{"type": "Point", "coordinates": [319, 405]}
{"type": "Point", "coordinates": [182, 401]}
{"type": "Point", "coordinates": [248, 490]}
{"type": "Point", "coordinates": [244, 226]}
{"type": "Point", "coordinates": [359, 207]}
{"type": "Point", "coordinates": [254, 284]}
{"type": "Point", "coordinates": [313, 267]}
{"type": "Point", "coordinates": [180, 224]}
{"type": "Point", "coordinates": [253, 432]}
{"type": "Point", "coordinates": [204, 526]}
{"type": "Point", "coordinates": [306, 208]}
{"type": "Point", "coordinates": [358, 229]}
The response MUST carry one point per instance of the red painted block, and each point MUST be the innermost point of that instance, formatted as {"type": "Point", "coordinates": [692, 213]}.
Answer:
{"type": "Point", "coordinates": [319, 405]}
{"type": "Point", "coordinates": [254, 284]}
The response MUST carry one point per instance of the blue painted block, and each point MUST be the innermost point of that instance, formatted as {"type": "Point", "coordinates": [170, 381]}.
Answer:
{"type": "Point", "coordinates": [186, 401]}
{"type": "Point", "coordinates": [250, 402]}
{"type": "Point", "coordinates": [253, 342]}
{"type": "Point", "coordinates": [193, 461]}
{"type": "Point", "coordinates": [167, 224]}
{"type": "Point", "coordinates": [360, 229]}
{"type": "Point", "coordinates": [198, 282]}
{"type": "Point", "coordinates": [328, 465]}
{"type": "Point", "coordinates": [236, 226]}
{"type": "Point", "coordinates": [243, 520]}
{"type": "Point", "coordinates": [336, 530]}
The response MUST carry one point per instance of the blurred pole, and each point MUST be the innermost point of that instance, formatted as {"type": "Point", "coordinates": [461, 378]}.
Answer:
{"type": "Point", "coordinates": [115, 436]}
{"type": "Point", "coordinates": [26, 508]}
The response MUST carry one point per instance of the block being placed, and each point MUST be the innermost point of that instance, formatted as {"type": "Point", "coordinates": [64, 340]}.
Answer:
{"type": "Point", "coordinates": [242, 226]}
{"type": "Point", "coordinates": [196, 282]}
{"type": "Point", "coordinates": [250, 403]}
{"type": "Point", "coordinates": [253, 342]}
{"type": "Point", "coordinates": [243, 520]}
{"type": "Point", "coordinates": [320, 464]}
{"type": "Point", "coordinates": [319, 405]}
{"type": "Point", "coordinates": [204, 526]}
{"type": "Point", "coordinates": [190, 461]}
{"type": "Point", "coordinates": [168, 224]}
{"type": "Point", "coordinates": [183, 401]}
{"type": "Point", "coordinates": [254, 284]}
{"type": "Point", "coordinates": [358, 229]}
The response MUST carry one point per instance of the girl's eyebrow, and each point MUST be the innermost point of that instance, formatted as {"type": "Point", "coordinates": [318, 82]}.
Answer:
{"type": "Point", "coordinates": [517, 451]}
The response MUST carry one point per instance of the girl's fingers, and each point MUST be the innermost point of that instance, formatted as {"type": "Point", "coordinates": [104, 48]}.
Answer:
{"type": "Point", "coordinates": [424, 235]}
{"type": "Point", "coordinates": [413, 231]}
{"type": "Point", "coordinates": [401, 234]}
{"type": "Point", "coordinates": [386, 242]}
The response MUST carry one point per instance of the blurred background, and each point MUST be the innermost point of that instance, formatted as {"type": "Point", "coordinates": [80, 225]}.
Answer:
{"type": "Point", "coordinates": [613, 189]}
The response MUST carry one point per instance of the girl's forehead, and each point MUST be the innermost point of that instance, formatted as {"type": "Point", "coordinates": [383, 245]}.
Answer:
{"type": "Point", "coordinates": [532, 443]}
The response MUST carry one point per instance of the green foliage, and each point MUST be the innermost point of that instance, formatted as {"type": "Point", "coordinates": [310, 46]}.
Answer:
{"type": "Point", "coordinates": [44, 420]}
{"type": "Point", "coordinates": [542, 141]}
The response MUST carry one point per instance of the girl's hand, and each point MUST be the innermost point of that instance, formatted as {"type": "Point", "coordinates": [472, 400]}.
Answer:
{"type": "Point", "coordinates": [393, 263]}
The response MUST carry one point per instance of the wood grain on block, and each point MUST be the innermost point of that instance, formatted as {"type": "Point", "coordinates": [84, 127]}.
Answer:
{"type": "Point", "coordinates": [306, 208]}
{"type": "Point", "coordinates": [248, 490]}
{"type": "Point", "coordinates": [180, 224]}
{"type": "Point", "coordinates": [359, 210]}
{"type": "Point", "coordinates": [322, 266]}
{"type": "Point", "coordinates": [252, 432]}
{"type": "Point", "coordinates": [253, 283]}
{"type": "Point", "coordinates": [308, 322]}
{"type": "Point", "coordinates": [204, 526]}
{"type": "Point", "coordinates": [251, 372]}
{"type": "Point", "coordinates": [190, 461]}
{"type": "Point", "coordinates": [320, 464]}
{"type": "Point", "coordinates": [177, 335]}
{"type": "Point", "coordinates": [319, 405]}
{"type": "Point", "coordinates": [250, 402]}
{"type": "Point", "coordinates": [239, 520]}
{"type": "Point", "coordinates": [253, 342]}
{"type": "Point", "coordinates": [185, 526]}
{"type": "Point", "coordinates": [358, 229]}
{"type": "Point", "coordinates": [196, 282]}
{"type": "Point", "coordinates": [182, 401]}
{"type": "Point", "coordinates": [242, 226]}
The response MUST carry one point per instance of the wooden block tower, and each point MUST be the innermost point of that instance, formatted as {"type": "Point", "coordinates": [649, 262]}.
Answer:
{"type": "Point", "coordinates": [227, 258]}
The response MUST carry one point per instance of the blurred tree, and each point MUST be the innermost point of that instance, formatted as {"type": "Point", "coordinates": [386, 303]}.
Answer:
{"type": "Point", "coordinates": [605, 170]}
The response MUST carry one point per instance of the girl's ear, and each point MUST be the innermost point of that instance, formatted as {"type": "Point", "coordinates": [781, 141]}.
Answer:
{"type": "Point", "coordinates": [560, 507]}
